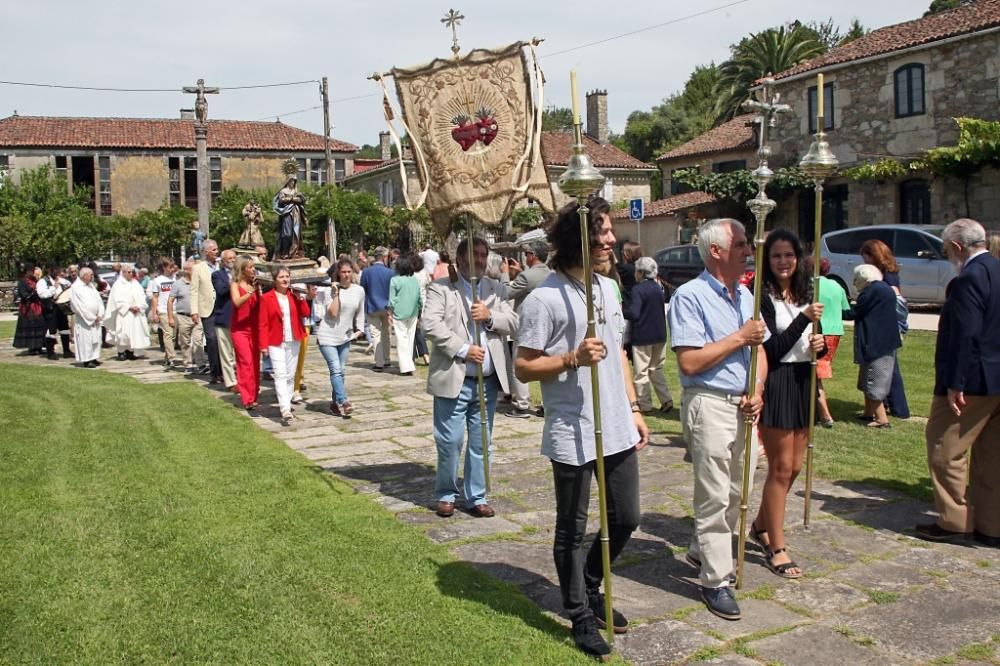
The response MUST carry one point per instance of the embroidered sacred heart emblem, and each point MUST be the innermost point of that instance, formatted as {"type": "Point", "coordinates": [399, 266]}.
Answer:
{"type": "Point", "coordinates": [466, 132]}
{"type": "Point", "coordinates": [488, 126]}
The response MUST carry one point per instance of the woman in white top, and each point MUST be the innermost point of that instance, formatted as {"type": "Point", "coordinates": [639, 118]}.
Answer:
{"type": "Point", "coordinates": [788, 309]}
{"type": "Point", "coordinates": [343, 320]}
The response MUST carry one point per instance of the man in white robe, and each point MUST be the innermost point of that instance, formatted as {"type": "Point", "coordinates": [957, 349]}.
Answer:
{"type": "Point", "coordinates": [88, 308]}
{"type": "Point", "coordinates": [126, 315]}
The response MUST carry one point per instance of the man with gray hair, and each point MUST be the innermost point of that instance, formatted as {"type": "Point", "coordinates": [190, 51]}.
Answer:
{"type": "Point", "coordinates": [535, 256]}
{"type": "Point", "coordinates": [712, 330]}
{"type": "Point", "coordinates": [375, 281]}
{"type": "Point", "coordinates": [965, 411]}
{"type": "Point", "coordinates": [646, 314]}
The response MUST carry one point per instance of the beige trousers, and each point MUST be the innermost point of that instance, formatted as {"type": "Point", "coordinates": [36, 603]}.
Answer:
{"type": "Point", "coordinates": [647, 363]}
{"type": "Point", "coordinates": [714, 427]}
{"type": "Point", "coordinates": [191, 338]}
{"type": "Point", "coordinates": [963, 506]}
{"type": "Point", "coordinates": [379, 325]}
{"type": "Point", "coordinates": [168, 338]}
{"type": "Point", "coordinates": [227, 357]}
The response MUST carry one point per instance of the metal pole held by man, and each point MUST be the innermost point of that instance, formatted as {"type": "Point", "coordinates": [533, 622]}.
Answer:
{"type": "Point", "coordinates": [766, 106]}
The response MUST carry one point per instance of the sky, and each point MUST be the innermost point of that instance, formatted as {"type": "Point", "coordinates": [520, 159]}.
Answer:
{"type": "Point", "coordinates": [167, 45]}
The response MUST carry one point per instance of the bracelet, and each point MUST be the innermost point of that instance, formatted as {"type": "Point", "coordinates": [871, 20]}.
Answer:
{"type": "Point", "coordinates": [636, 410]}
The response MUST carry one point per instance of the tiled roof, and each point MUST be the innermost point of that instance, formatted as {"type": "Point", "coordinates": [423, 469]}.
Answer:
{"type": "Point", "coordinates": [557, 148]}
{"type": "Point", "coordinates": [965, 19]}
{"type": "Point", "coordinates": [163, 133]}
{"type": "Point", "coordinates": [669, 205]}
{"type": "Point", "coordinates": [363, 164]}
{"type": "Point", "coordinates": [735, 134]}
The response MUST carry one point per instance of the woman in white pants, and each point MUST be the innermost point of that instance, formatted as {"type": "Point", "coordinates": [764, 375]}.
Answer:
{"type": "Point", "coordinates": [280, 328]}
{"type": "Point", "coordinates": [405, 302]}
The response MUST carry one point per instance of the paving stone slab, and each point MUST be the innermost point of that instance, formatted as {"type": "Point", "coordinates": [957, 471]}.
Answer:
{"type": "Point", "coordinates": [653, 588]}
{"type": "Point", "coordinates": [882, 577]}
{"type": "Point", "coordinates": [818, 644]}
{"type": "Point", "coordinates": [930, 624]}
{"type": "Point", "coordinates": [512, 562]}
{"type": "Point", "coordinates": [821, 596]}
{"type": "Point", "coordinates": [474, 527]}
{"type": "Point", "coordinates": [757, 616]}
{"type": "Point", "coordinates": [663, 642]}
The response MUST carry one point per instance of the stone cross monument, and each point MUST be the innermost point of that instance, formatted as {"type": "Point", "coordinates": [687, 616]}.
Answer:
{"type": "Point", "coordinates": [201, 144]}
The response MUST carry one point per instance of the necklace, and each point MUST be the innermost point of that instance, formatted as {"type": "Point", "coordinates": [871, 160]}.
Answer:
{"type": "Point", "coordinates": [580, 289]}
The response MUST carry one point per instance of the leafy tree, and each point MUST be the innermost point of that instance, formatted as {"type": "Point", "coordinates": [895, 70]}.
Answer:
{"type": "Point", "coordinates": [679, 118]}
{"type": "Point", "coordinates": [768, 52]}
{"type": "Point", "coordinates": [525, 218]}
{"type": "Point", "coordinates": [557, 119]}
{"type": "Point", "coordinates": [854, 31]}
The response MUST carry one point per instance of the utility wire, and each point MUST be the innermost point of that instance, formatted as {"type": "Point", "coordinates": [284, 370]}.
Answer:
{"type": "Point", "coordinates": [646, 29]}
{"type": "Point", "coordinates": [154, 90]}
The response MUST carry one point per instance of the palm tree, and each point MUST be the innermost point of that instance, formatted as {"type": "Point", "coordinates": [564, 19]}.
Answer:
{"type": "Point", "coordinates": [769, 52]}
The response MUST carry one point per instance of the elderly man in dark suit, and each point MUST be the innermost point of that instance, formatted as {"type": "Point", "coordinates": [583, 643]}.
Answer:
{"type": "Point", "coordinates": [965, 412]}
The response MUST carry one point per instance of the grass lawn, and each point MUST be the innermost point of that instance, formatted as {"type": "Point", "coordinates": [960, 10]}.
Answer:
{"type": "Point", "coordinates": [850, 452]}
{"type": "Point", "coordinates": [7, 330]}
{"type": "Point", "coordinates": [147, 523]}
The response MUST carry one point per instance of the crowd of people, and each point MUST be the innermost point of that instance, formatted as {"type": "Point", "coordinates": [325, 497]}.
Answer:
{"type": "Point", "coordinates": [494, 325]}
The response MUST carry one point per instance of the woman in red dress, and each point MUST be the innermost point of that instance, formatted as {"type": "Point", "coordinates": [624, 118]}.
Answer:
{"type": "Point", "coordinates": [245, 293]}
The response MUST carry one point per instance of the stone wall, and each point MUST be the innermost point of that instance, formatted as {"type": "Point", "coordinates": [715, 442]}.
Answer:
{"type": "Point", "coordinates": [961, 78]}
{"type": "Point", "coordinates": [625, 185]}
{"type": "Point", "coordinates": [253, 173]}
{"type": "Point", "coordinates": [138, 182]}
{"type": "Point", "coordinates": [20, 163]}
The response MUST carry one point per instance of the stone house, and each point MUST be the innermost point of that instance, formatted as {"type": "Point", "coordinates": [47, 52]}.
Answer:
{"type": "Point", "coordinates": [627, 177]}
{"type": "Point", "coordinates": [893, 94]}
{"type": "Point", "coordinates": [732, 146]}
{"type": "Point", "coordinates": [670, 221]}
{"type": "Point", "coordinates": [142, 163]}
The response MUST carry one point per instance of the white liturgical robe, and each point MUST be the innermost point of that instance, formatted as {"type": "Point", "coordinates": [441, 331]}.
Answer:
{"type": "Point", "coordinates": [130, 328]}
{"type": "Point", "coordinates": [88, 306]}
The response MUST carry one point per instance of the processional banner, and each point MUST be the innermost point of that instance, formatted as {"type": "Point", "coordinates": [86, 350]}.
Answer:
{"type": "Point", "coordinates": [475, 132]}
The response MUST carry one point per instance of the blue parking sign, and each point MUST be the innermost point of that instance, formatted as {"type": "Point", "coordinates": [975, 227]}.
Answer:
{"type": "Point", "coordinates": [635, 209]}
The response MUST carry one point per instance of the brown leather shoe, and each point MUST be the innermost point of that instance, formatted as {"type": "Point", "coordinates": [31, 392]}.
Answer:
{"type": "Point", "coordinates": [482, 511]}
{"type": "Point", "coordinates": [446, 509]}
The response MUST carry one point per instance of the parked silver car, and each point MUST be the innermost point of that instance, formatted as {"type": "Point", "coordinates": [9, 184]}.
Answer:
{"type": "Point", "coordinates": [924, 272]}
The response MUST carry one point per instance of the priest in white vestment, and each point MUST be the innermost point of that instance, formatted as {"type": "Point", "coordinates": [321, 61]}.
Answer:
{"type": "Point", "coordinates": [88, 308]}
{"type": "Point", "coordinates": [126, 315]}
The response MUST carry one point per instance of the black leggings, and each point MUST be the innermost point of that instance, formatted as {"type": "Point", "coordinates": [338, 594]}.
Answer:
{"type": "Point", "coordinates": [577, 578]}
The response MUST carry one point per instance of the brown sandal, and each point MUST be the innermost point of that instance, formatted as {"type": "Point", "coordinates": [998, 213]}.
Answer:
{"type": "Point", "coordinates": [782, 569]}
{"type": "Point", "coordinates": [758, 536]}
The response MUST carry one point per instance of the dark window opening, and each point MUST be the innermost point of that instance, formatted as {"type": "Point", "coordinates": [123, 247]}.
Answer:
{"type": "Point", "coordinates": [828, 108]}
{"type": "Point", "coordinates": [62, 166]}
{"type": "Point", "coordinates": [914, 202]}
{"type": "Point", "coordinates": [301, 173]}
{"type": "Point", "coordinates": [317, 171]}
{"type": "Point", "coordinates": [729, 166]}
{"type": "Point", "coordinates": [909, 90]}
{"type": "Point", "coordinates": [677, 187]}
{"type": "Point", "coordinates": [83, 176]}
{"type": "Point", "coordinates": [834, 212]}
{"type": "Point", "coordinates": [191, 182]}
{"type": "Point", "coordinates": [339, 170]}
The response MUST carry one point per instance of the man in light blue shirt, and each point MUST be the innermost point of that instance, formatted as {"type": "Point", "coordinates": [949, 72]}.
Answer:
{"type": "Point", "coordinates": [712, 330]}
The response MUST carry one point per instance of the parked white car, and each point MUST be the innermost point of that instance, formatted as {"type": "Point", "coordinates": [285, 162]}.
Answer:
{"type": "Point", "coordinates": [924, 272]}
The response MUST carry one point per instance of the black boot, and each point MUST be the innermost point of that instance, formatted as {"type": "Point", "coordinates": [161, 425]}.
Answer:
{"type": "Point", "coordinates": [50, 350]}
{"type": "Point", "coordinates": [588, 637]}
{"type": "Point", "coordinates": [64, 340]}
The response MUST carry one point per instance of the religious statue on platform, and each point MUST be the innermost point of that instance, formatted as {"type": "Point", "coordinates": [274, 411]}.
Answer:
{"type": "Point", "coordinates": [290, 206]}
{"type": "Point", "coordinates": [197, 239]}
{"type": "Point", "coordinates": [253, 217]}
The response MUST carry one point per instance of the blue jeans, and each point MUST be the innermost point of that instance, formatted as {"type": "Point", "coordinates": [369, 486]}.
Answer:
{"type": "Point", "coordinates": [336, 361]}
{"type": "Point", "coordinates": [452, 419]}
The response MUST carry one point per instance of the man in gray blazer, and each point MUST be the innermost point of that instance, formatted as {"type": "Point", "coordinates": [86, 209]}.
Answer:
{"type": "Point", "coordinates": [447, 318]}
{"type": "Point", "coordinates": [525, 282]}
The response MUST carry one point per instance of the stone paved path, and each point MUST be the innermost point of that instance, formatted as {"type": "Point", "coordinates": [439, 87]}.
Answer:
{"type": "Point", "coordinates": [872, 594]}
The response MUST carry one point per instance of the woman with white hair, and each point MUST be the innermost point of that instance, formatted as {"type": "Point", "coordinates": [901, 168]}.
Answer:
{"type": "Point", "coordinates": [645, 312]}
{"type": "Point", "coordinates": [876, 339]}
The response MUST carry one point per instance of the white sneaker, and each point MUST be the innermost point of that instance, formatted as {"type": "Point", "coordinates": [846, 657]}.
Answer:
{"type": "Point", "coordinates": [296, 398]}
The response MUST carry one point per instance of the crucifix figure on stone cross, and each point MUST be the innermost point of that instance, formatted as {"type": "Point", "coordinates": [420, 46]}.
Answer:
{"type": "Point", "coordinates": [200, 103]}
{"type": "Point", "coordinates": [767, 105]}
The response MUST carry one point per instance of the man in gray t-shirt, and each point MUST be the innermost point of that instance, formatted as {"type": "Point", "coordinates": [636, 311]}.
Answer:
{"type": "Point", "coordinates": [554, 350]}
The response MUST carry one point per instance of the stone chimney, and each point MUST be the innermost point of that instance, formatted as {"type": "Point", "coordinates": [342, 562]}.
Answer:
{"type": "Point", "coordinates": [597, 116]}
{"type": "Point", "coordinates": [187, 114]}
{"type": "Point", "coordinates": [385, 146]}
